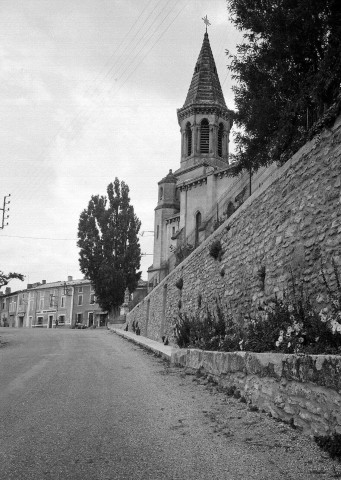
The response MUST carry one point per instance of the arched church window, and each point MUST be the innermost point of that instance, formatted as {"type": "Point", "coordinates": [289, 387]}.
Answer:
{"type": "Point", "coordinates": [204, 136]}
{"type": "Point", "coordinates": [161, 193]}
{"type": "Point", "coordinates": [229, 209]}
{"type": "Point", "coordinates": [197, 227]}
{"type": "Point", "coordinates": [220, 139]}
{"type": "Point", "coordinates": [189, 139]}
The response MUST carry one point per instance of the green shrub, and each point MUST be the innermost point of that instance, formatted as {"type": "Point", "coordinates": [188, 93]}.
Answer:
{"type": "Point", "coordinates": [210, 329]}
{"type": "Point", "coordinates": [216, 250]}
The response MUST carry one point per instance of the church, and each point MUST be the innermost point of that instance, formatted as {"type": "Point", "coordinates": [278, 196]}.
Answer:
{"type": "Point", "coordinates": [201, 194]}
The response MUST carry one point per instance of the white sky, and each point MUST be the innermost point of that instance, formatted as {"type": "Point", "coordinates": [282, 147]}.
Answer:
{"type": "Point", "coordinates": [89, 91]}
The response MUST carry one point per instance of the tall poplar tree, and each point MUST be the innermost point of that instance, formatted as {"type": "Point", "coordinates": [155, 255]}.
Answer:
{"type": "Point", "coordinates": [288, 75]}
{"type": "Point", "coordinates": [110, 252]}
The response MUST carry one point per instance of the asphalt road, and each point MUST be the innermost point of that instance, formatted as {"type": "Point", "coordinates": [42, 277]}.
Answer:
{"type": "Point", "coordinates": [86, 404]}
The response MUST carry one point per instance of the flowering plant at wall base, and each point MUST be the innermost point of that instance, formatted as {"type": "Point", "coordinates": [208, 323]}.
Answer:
{"type": "Point", "coordinates": [288, 325]}
{"type": "Point", "coordinates": [291, 325]}
{"type": "Point", "coordinates": [332, 313]}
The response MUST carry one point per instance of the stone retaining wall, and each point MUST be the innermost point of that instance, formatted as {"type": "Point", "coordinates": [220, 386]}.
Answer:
{"type": "Point", "coordinates": [304, 390]}
{"type": "Point", "coordinates": [291, 224]}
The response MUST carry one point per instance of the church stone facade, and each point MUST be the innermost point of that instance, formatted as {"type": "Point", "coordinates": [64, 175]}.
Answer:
{"type": "Point", "coordinates": [196, 196]}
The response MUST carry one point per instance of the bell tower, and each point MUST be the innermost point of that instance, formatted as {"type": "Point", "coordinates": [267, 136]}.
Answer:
{"type": "Point", "coordinates": [205, 121]}
{"type": "Point", "coordinates": [168, 204]}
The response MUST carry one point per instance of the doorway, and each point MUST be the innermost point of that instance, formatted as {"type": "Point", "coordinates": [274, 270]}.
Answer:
{"type": "Point", "coordinates": [102, 319]}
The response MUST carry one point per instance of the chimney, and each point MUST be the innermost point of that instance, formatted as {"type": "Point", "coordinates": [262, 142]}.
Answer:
{"type": "Point", "coordinates": [29, 285]}
{"type": "Point", "coordinates": [8, 290]}
{"type": "Point", "coordinates": [43, 282]}
{"type": "Point", "coordinates": [69, 278]}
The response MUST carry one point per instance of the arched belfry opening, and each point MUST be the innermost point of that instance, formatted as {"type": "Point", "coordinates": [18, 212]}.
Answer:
{"type": "Point", "coordinates": [220, 139]}
{"type": "Point", "coordinates": [204, 136]}
{"type": "Point", "coordinates": [188, 139]}
{"type": "Point", "coordinates": [197, 227]}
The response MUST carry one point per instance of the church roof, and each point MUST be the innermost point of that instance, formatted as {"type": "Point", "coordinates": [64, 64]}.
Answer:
{"type": "Point", "coordinates": [170, 178]}
{"type": "Point", "coordinates": [205, 86]}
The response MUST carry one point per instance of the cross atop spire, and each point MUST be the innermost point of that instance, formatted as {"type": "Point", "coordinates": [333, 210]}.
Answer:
{"type": "Point", "coordinates": [206, 22]}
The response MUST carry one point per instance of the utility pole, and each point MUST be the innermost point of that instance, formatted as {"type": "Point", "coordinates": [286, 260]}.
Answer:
{"type": "Point", "coordinates": [5, 209]}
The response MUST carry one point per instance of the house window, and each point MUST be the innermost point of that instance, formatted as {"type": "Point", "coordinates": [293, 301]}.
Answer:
{"type": "Point", "coordinates": [40, 320]}
{"type": "Point", "coordinates": [80, 300]}
{"type": "Point", "coordinates": [80, 289]}
{"type": "Point", "coordinates": [62, 302]}
{"type": "Point", "coordinates": [41, 302]}
{"type": "Point", "coordinates": [92, 298]}
{"type": "Point", "coordinates": [204, 136]}
{"type": "Point", "coordinates": [79, 317]}
{"type": "Point", "coordinates": [52, 298]}
{"type": "Point", "coordinates": [189, 139]}
{"type": "Point", "coordinates": [220, 139]}
{"type": "Point", "coordinates": [61, 319]}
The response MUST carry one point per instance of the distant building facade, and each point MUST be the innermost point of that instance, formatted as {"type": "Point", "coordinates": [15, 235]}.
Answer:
{"type": "Point", "coordinates": [44, 304]}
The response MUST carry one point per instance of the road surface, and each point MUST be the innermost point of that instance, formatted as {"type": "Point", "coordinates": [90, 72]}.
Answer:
{"type": "Point", "coordinates": [86, 404]}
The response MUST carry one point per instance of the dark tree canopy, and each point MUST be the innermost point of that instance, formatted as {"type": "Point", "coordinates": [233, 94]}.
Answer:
{"type": "Point", "coordinates": [288, 73]}
{"type": "Point", "coordinates": [4, 279]}
{"type": "Point", "coordinates": [110, 252]}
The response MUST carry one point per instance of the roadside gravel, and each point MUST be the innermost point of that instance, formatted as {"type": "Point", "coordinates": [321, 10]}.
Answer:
{"type": "Point", "coordinates": [272, 444]}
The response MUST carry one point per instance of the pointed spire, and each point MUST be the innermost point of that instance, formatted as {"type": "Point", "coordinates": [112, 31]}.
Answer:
{"type": "Point", "coordinates": [205, 86]}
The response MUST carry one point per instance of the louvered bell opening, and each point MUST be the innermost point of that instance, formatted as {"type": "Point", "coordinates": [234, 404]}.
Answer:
{"type": "Point", "coordinates": [220, 139]}
{"type": "Point", "coordinates": [204, 136]}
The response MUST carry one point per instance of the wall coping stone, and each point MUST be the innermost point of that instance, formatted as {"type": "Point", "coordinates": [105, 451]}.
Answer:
{"type": "Point", "coordinates": [322, 370]}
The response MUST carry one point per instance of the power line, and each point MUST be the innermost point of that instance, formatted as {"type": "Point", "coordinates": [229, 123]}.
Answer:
{"type": "Point", "coordinates": [119, 66]}
{"type": "Point", "coordinates": [130, 64]}
{"type": "Point", "coordinates": [84, 111]}
{"type": "Point", "coordinates": [119, 87]}
{"type": "Point", "coordinates": [39, 238]}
